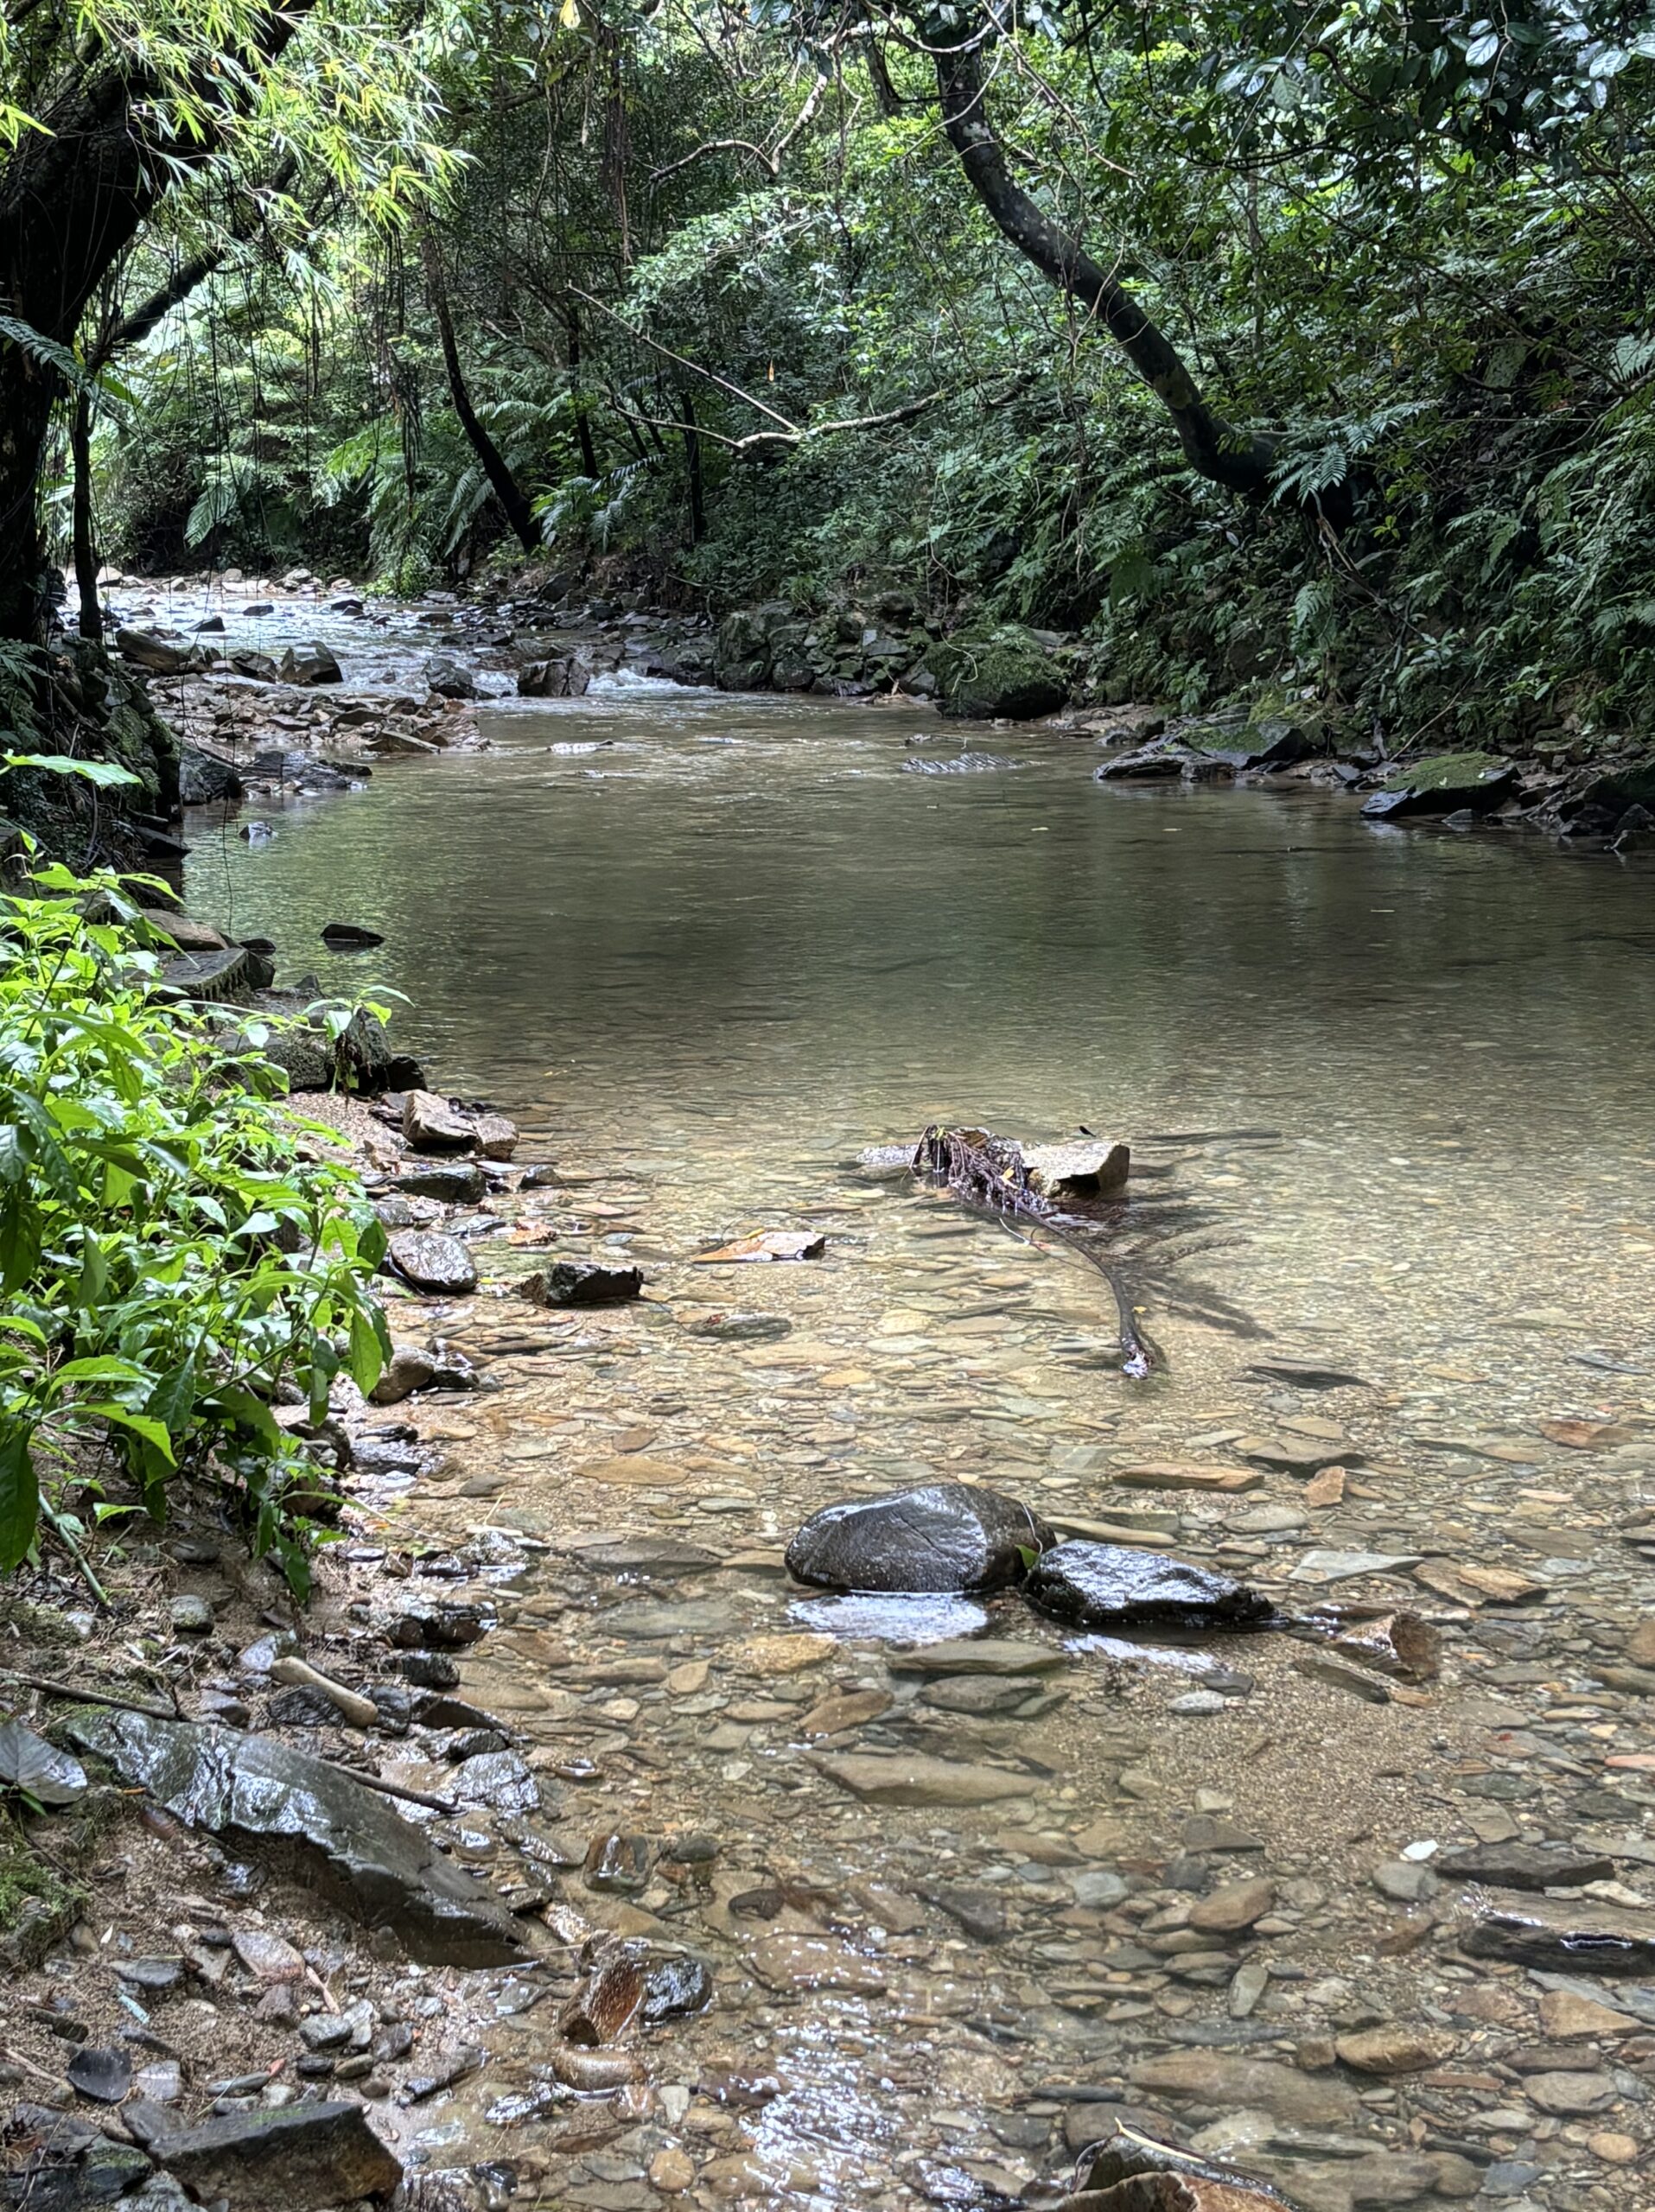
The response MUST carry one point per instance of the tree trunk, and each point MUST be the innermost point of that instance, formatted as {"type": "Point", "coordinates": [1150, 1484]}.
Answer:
{"type": "Point", "coordinates": [578, 399]}
{"type": "Point", "coordinates": [508, 490]}
{"type": "Point", "coordinates": [1239, 460]}
{"type": "Point", "coordinates": [692, 466]}
{"type": "Point", "coordinates": [73, 196]}
{"type": "Point", "coordinates": [86, 549]}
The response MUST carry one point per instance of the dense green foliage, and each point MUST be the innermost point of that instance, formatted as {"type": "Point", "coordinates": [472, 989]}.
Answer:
{"type": "Point", "coordinates": [1411, 245]}
{"type": "Point", "coordinates": [172, 1263]}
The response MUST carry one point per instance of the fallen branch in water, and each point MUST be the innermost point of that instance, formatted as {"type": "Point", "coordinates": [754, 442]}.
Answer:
{"type": "Point", "coordinates": [988, 1172]}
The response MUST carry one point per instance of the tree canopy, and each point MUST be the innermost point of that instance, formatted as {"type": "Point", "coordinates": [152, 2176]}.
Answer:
{"type": "Point", "coordinates": [1256, 341]}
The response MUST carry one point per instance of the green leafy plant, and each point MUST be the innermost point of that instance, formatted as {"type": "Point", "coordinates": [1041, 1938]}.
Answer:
{"type": "Point", "coordinates": [176, 1256]}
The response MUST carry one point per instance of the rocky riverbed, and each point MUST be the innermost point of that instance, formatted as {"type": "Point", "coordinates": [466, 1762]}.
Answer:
{"type": "Point", "coordinates": [248, 672]}
{"type": "Point", "coordinates": [887, 1900]}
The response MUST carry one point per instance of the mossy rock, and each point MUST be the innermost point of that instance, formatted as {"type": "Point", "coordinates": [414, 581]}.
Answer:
{"type": "Point", "coordinates": [1442, 783]}
{"type": "Point", "coordinates": [1006, 675]}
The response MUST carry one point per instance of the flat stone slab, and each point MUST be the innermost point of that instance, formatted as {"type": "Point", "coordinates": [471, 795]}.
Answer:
{"type": "Point", "coordinates": [378, 1864]}
{"type": "Point", "coordinates": [1562, 1937]}
{"type": "Point", "coordinates": [879, 1778]}
{"type": "Point", "coordinates": [296, 2160]}
{"type": "Point", "coordinates": [1109, 1585]}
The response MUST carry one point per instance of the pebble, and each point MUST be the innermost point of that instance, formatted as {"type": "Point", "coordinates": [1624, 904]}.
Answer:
{"type": "Point", "coordinates": [190, 1615]}
{"type": "Point", "coordinates": [1405, 1881]}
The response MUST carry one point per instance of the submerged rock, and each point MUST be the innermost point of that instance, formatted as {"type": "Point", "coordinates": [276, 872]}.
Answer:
{"type": "Point", "coordinates": [893, 1778]}
{"type": "Point", "coordinates": [1111, 1585]}
{"type": "Point", "coordinates": [1127, 2171]}
{"type": "Point", "coordinates": [350, 1840]}
{"type": "Point", "coordinates": [581, 1282]}
{"type": "Point", "coordinates": [1526, 1866]}
{"type": "Point", "coordinates": [296, 2160]}
{"type": "Point", "coordinates": [946, 1536]}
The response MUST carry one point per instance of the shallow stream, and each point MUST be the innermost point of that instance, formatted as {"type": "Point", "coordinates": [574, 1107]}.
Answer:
{"type": "Point", "coordinates": [707, 949]}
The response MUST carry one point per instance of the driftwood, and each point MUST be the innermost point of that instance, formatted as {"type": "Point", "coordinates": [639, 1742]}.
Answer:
{"type": "Point", "coordinates": [1133, 1246]}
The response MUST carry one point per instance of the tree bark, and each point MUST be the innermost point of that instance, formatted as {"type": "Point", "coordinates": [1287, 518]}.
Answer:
{"type": "Point", "coordinates": [578, 399]}
{"type": "Point", "coordinates": [506, 488]}
{"type": "Point", "coordinates": [692, 465]}
{"type": "Point", "coordinates": [86, 549]}
{"type": "Point", "coordinates": [1239, 460]}
{"type": "Point", "coordinates": [73, 196]}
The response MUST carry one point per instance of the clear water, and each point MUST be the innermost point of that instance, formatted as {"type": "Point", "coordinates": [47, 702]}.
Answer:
{"type": "Point", "coordinates": [738, 935]}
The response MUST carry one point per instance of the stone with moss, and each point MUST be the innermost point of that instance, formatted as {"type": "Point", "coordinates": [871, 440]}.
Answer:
{"type": "Point", "coordinates": [1442, 783]}
{"type": "Point", "coordinates": [1005, 674]}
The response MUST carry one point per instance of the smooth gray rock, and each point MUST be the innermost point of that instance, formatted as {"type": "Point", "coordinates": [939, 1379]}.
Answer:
{"type": "Point", "coordinates": [945, 1537]}
{"type": "Point", "coordinates": [347, 1838]}
{"type": "Point", "coordinates": [1114, 1585]}
{"type": "Point", "coordinates": [432, 1262]}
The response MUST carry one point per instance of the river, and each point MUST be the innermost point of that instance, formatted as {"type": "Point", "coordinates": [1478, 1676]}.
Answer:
{"type": "Point", "coordinates": [1390, 1089]}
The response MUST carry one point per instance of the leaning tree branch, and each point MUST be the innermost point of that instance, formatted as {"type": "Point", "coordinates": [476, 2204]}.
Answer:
{"type": "Point", "coordinates": [770, 162]}
{"type": "Point", "coordinates": [1239, 460]}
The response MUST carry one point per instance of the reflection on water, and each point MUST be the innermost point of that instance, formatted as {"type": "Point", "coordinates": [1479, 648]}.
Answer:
{"type": "Point", "coordinates": [740, 935]}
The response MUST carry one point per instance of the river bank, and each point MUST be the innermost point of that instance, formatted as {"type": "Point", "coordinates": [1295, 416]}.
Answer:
{"type": "Point", "coordinates": [419, 670]}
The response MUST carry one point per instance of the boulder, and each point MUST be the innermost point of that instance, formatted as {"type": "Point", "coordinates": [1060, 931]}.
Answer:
{"type": "Point", "coordinates": [581, 1282]}
{"type": "Point", "coordinates": [408, 1370]}
{"type": "Point", "coordinates": [188, 936]}
{"type": "Point", "coordinates": [497, 1137]}
{"type": "Point", "coordinates": [1160, 762]}
{"type": "Point", "coordinates": [431, 1124]}
{"type": "Point", "coordinates": [1006, 674]}
{"type": "Point", "coordinates": [159, 656]}
{"type": "Point", "coordinates": [1091, 1168]}
{"type": "Point", "coordinates": [1114, 1585]}
{"type": "Point", "coordinates": [946, 1536]}
{"type": "Point", "coordinates": [450, 1182]}
{"type": "Point", "coordinates": [203, 778]}
{"type": "Point", "coordinates": [564, 678]}
{"type": "Point", "coordinates": [309, 665]}
{"type": "Point", "coordinates": [360, 1060]}
{"type": "Point", "coordinates": [296, 2160]}
{"type": "Point", "coordinates": [1442, 785]}
{"type": "Point", "coordinates": [447, 679]}
{"type": "Point", "coordinates": [432, 1262]}
{"type": "Point", "coordinates": [348, 1839]}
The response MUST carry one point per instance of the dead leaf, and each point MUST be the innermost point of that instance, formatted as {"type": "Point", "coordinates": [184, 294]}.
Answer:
{"type": "Point", "coordinates": [765, 1244]}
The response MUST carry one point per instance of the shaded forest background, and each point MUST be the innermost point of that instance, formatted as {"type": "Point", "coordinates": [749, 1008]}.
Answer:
{"type": "Point", "coordinates": [656, 255]}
